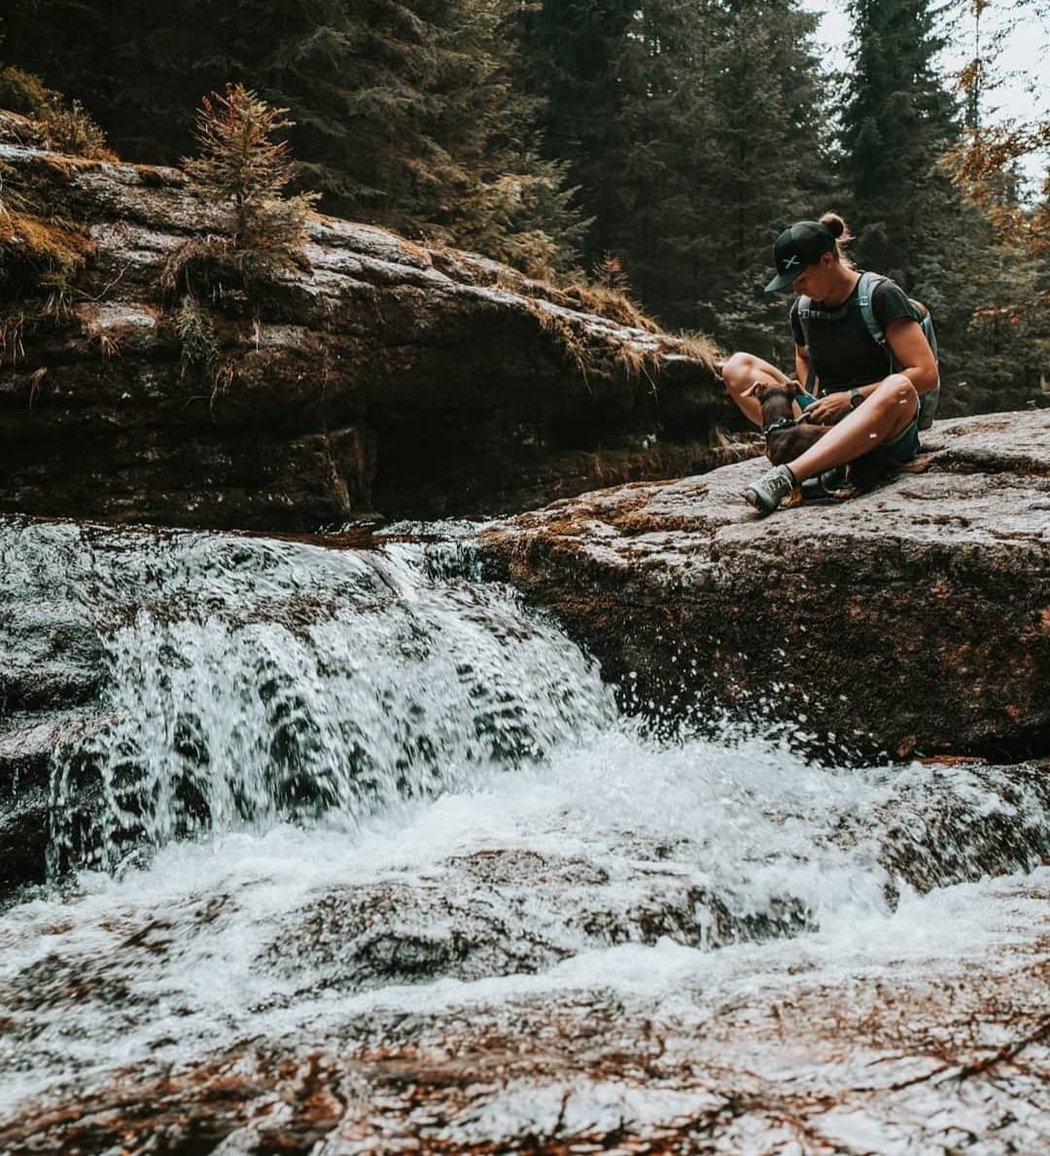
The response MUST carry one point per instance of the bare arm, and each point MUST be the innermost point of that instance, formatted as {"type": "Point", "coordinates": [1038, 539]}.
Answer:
{"type": "Point", "coordinates": [913, 354]}
{"type": "Point", "coordinates": [801, 365]}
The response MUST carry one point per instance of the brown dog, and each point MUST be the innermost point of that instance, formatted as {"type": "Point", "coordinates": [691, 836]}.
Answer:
{"type": "Point", "coordinates": [786, 435]}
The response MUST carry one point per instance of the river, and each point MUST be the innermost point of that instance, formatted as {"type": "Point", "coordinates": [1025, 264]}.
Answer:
{"type": "Point", "coordinates": [356, 853]}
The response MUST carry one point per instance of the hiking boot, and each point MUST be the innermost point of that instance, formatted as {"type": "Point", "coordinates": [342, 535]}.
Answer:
{"type": "Point", "coordinates": [770, 489]}
{"type": "Point", "coordinates": [837, 478]}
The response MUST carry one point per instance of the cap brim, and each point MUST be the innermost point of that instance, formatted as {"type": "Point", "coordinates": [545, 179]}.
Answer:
{"type": "Point", "coordinates": [782, 281]}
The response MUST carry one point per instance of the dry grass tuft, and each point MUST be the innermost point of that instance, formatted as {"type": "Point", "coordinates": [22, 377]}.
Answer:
{"type": "Point", "coordinates": [568, 339]}
{"type": "Point", "coordinates": [62, 125]}
{"type": "Point", "coordinates": [34, 382]}
{"type": "Point", "coordinates": [12, 327]}
{"type": "Point", "coordinates": [699, 347]}
{"type": "Point", "coordinates": [197, 255]}
{"type": "Point", "coordinates": [108, 346]}
{"type": "Point", "coordinates": [610, 303]}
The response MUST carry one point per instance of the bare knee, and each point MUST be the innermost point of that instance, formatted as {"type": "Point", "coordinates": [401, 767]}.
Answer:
{"type": "Point", "coordinates": [893, 406]}
{"type": "Point", "coordinates": [739, 369]}
{"type": "Point", "coordinates": [742, 369]}
{"type": "Point", "coordinates": [895, 391]}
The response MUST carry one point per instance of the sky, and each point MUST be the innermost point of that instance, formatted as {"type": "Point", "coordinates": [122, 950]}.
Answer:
{"type": "Point", "coordinates": [1024, 64]}
{"type": "Point", "coordinates": [1026, 54]}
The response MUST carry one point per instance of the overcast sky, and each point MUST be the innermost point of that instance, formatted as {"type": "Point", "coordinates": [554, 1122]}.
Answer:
{"type": "Point", "coordinates": [1027, 53]}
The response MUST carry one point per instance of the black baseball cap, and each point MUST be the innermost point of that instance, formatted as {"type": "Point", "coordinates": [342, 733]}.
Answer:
{"type": "Point", "coordinates": [801, 244]}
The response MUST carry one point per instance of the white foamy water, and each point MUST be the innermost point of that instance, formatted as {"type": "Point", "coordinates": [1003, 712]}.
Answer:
{"type": "Point", "coordinates": [218, 940]}
{"type": "Point", "coordinates": [329, 789]}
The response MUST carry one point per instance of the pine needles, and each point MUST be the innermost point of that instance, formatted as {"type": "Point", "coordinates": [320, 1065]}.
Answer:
{"type": "Point", "coordinates": [240, 162]}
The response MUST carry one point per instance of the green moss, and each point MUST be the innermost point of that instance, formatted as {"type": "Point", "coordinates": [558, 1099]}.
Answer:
{"type": "Point", "coordinates": [40, 260]}
{"type": "Point", "coordinates": [46, 246]}
{"type": "Point", "coordinates": [39, 264]}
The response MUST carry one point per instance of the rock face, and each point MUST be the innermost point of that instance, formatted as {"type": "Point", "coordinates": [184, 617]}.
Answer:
{"type": "Point", "coordinates": [915, 618]}
{"type": "Point", "coordinates": [369, 375]}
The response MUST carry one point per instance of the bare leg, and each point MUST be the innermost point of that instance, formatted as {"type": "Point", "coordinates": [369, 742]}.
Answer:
{"type": "Point", "coordinates": [739, 373]}
{"type": "Point", "coordinates": [880, 418]}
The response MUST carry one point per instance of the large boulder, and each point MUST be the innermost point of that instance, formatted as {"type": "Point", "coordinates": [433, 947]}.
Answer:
{"type": "Point", "coordinates": [912, 619]}
{"type": "Point", "coordinates": [366, 374]}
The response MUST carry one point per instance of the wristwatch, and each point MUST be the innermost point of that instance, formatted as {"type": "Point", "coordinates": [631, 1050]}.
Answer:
{"type": "Point", "coordinates": [855, 398]}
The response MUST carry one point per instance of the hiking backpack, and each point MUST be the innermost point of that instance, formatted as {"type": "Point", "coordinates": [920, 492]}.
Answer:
{"type": "Point", "coordinates": [865, 292]}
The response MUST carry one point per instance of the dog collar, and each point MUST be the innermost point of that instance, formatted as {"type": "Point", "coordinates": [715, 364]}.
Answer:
{"type": "Point", "coordinates": [779, 424]}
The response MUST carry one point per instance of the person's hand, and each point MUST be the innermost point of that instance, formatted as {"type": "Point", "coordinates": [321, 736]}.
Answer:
{"type": "Point", "coordinates": [828, 409]}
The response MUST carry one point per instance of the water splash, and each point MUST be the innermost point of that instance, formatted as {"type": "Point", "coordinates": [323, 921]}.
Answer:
{"type": "Point", "coordinates": [383, 803]}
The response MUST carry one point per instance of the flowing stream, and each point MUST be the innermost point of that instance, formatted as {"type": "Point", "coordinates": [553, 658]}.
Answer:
{"type": "Point", "coordinates": [365, 808]}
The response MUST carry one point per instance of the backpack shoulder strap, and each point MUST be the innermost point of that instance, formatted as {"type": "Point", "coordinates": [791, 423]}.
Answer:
{"type": "Point", "coordinates": [803, 308]}
{"type": "Point", "coordinates": [803, 311]}
{"type": "Point", "coordinates": [865, 295]}
{"type": "Point", "coordinates": [865, 292]}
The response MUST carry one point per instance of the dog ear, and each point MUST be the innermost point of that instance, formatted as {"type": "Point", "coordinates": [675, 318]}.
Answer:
{"type": "Point", "coordinates": [754, 390]}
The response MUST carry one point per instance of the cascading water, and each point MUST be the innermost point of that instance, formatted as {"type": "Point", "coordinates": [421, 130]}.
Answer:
{"type": "Point", "coordinates": [253, 689]}
{"type": "Point", "coordinates": [336, 816]}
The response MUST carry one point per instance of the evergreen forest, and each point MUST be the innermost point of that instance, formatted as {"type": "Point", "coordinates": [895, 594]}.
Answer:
{"type": "Point", "coordinates": [655, 147]}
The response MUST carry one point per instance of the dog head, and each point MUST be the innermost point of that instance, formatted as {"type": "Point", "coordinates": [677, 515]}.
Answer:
{"type": "Point", "coordinates": [763, 391]}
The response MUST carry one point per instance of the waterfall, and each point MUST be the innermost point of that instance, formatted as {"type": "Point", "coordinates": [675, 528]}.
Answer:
{"type": "Point", "coordinates": [265, 682]}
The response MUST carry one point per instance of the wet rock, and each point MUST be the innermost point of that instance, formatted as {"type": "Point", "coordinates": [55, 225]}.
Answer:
{"type": "Point", "coordinates": [915, 618]}
{"type": "Point", "coordinates": [506, 912]}
{"type": "Point", "coordinates": [954, 824]}
{"type": "Point", "coordinates": [373, 375]}
{"type": "Point", "coordinates": [51, 655]}
{"type": "Point", "coordinates": [28, 746]}
{"type": "Point", "coordinates": [493, 912]}
{"type": "Point", "coordinates": [918, 1054]}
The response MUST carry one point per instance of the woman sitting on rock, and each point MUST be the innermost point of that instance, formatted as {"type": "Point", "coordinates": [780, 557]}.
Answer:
{"type": "Point", "coordinates": [842, 365]}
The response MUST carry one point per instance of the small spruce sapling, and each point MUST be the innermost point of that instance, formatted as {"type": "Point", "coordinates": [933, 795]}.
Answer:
{"type": "Point", "coordinates": [240, 162]}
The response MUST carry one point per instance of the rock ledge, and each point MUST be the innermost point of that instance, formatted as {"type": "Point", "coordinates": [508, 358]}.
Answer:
{"type": "Point", "coordinates": [913, 619]}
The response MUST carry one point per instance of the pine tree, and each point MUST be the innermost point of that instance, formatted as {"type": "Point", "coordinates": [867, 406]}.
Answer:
{"type": "Point", "coordinates": [770, 163]}
{"type": "Point", "coordinates": [504, 199]}
{"type": "Point", "coordinates": [239, 161]}
{"type": "Point", "coordinates": [571, 62]}
{"type": "Point", "coordinates": [403, 108]}
{"type": "Point", "coordinates": [899, 125]}
{"type": "Point", "coordinates": [986, 166]}
{"type": "Point", "coordinates": [693, 132]}
{"type": "Point", "coordinates": [897, 122]}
